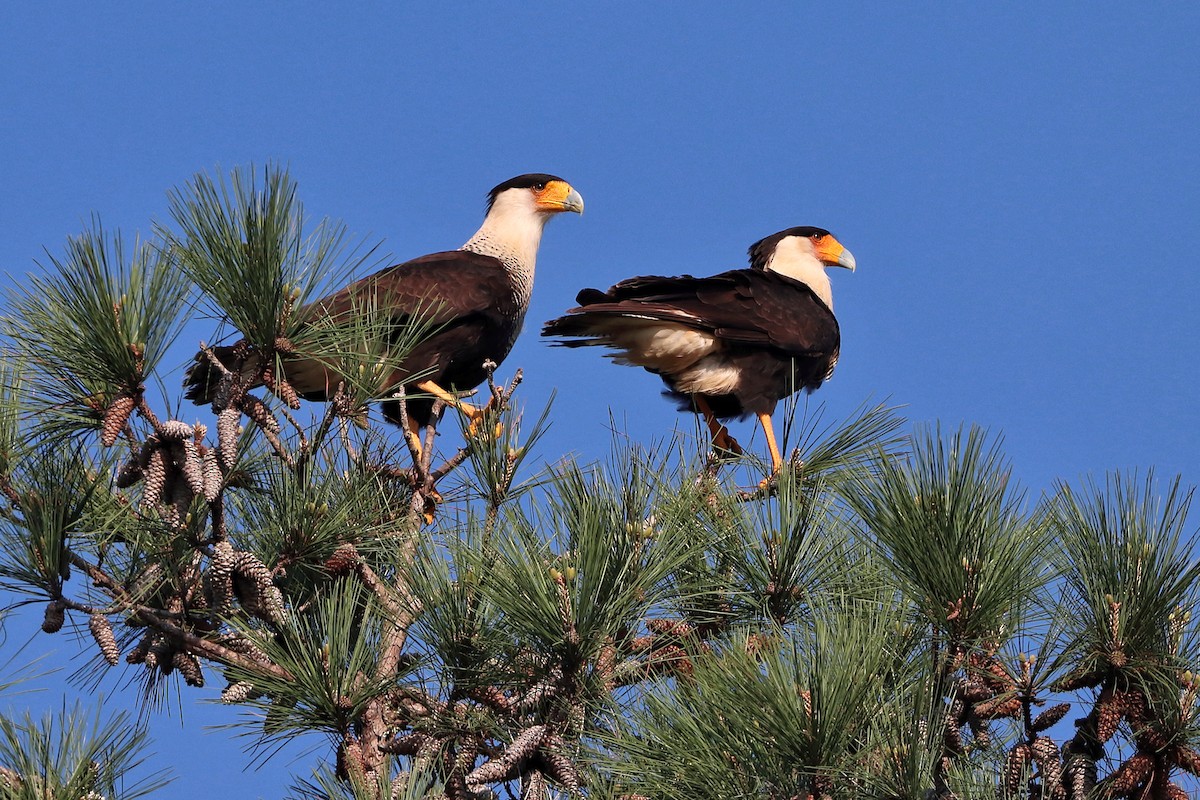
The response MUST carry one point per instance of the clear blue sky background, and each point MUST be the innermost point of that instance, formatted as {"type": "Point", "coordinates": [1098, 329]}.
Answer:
{"type": "Point", "coordinates": [1020, 185]}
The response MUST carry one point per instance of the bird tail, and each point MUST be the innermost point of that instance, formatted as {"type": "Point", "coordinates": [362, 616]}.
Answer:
{"type": "Point", "coordinates": [578, 326]}
{"type": "Point", "coordinates": [203, 377]}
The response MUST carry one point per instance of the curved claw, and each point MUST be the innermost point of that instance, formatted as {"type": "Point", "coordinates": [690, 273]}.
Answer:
{"type": "Point", "coordinates": [725, 445]}
{"type": "Point", "coordinates": [478, 415]}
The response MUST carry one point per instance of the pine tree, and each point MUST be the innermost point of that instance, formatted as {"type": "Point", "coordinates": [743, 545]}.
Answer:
{"type": "Point", "coordinates": [891, 618]}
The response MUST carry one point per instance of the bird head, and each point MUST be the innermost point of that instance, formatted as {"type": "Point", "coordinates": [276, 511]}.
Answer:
{"type": "Point", "coordinates": [537, 192]}
{"type": "Point", "coordinates": [803, 243]}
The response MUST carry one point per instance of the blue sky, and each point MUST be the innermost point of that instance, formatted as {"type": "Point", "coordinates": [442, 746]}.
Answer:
{"type": "Point", "coordinates": [1021, 187]}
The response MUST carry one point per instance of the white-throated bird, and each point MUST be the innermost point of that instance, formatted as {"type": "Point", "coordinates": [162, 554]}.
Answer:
{"type": "Point", "coordinates": [472, 299]}
{"type": "Point", "coordinates": [729, 345]}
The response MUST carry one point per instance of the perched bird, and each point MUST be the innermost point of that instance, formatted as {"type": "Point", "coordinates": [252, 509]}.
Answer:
{"type": "Point", "coordinates": [473, 299]}
{"type": "Point", "coordinates": [729, 345]}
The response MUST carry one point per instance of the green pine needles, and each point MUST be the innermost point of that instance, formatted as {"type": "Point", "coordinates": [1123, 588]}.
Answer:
{"type": "Point", "coordinates": [444, 615]}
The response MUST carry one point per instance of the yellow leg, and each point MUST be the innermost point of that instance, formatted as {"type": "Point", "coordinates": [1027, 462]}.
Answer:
{"type": "Point", "coordinates": [721, 440]}
{"type": "Point", "coordinates": [473, 413]}
{"type": "Point", "coordinates": [413, 436]}
{"type": "Point", "coordinates": [772, 445]}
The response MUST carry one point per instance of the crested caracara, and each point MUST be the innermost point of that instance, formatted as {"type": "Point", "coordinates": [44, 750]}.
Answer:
{"type": "Point", "coordinates": [729, 345]}
{"type": "Point", "coordinates": [473, 299]}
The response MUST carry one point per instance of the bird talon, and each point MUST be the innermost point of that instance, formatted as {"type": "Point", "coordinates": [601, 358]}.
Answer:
{"type": "Point", "coordinates": [726, 447]}
{"type": "Point", "coordinates": [478, 416]}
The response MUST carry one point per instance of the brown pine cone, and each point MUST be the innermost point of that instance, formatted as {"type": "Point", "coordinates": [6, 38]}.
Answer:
{"type": "Point", "coordinates": [342, 560]}
{"type": "Point", "coordinates": [1016, 768]}
{"type": "Point", "coordinates": [115, 418]}
{"type": "Point", "coordinates": [191, 466]}
{"type": "Point", "coordinates": [1186, 758]}
{"type": "Point", "coordinates": [1175, 792]}
{"type": "Point", "coordinates": [256, 590]}
{"type": "Point", "coordinates": [1108, 715]}
{"type": "Point", "coordinates": [141, 650]}
{"type": "Point", "coordinates": [237, 692]}
{"type": "Point", "coordinates": [103, 634]}
{"type": "Point", "coordinates": [189, 667]}
{"type": "Point", "coordinates": [998, 707]}
{"type": "Point", "coordinates": [156, 478]}
{"type": "Point", "coordinates": [213, 479]}
{"type": "Point", "coordinates": [55, 616]}
{"type": "Point", "coordinates": [1080, 773]}
{"type": "Point", "coordinates": [228, 424]}
{"type": "Point", "coordinates": [1045, 753]}
{"type": "Point", "coordinates": [1051, 715]}
{"type": "Point", "coordinates": [257, 411]}
{"type": "Point", "coordinates": [559, 766]}
{"type": "Point", "coordinates": [1136, 770]}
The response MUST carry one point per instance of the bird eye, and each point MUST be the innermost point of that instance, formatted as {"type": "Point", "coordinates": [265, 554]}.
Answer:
{"type": "Point", "coordinates": [537, 187]}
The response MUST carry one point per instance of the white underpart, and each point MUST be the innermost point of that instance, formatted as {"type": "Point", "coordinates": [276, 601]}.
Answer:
{"type": "Point", "coordinates": [796, 257]}
{"type": "Point", "coordinates": [512, 232]}
{"type": "Point", "coordinates": [692, 357]}
{"type": "Point", "coordinates": [663, 347]}
{"type": "Point", "coordinates": [715, 374]}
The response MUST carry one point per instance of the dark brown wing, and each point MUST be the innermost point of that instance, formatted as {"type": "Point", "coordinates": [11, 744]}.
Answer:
{"type": "Point", "coordinates": [740, 307]}
{"type": "Point", "coordinates": [467, 299]}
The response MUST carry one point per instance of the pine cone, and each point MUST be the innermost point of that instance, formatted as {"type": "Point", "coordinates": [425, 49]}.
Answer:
{"type": "Point", "coordinates": [972, 691]}
{"type": "Point", "coordinates": [1133, 705]}
{"type": "Point", "coordinates": [1175, 792]}
{"type": "Point", "coordinates": [1047, 719]}
{"type": "Point", "coordinates": [174, 430]}
{"type": "Point", "coordinates": [1136, 770]}
{"type": "Point", "coordinates": [674, 659]}
{"type": "Point", "coordinates": [1079, 679]}
{"type": "Point", "coordinates": [1186, 758]}
{"type": "Point", "coordinates": [148, 581]}
{"type": "Point", "coordinates": [1045, 753]}
{"type": "Point", "coordinates": [1080, 774]}
{"type": "Point", "coordinates": [256, 410]}
{"type": "Point", "coordinates": [980, 733]}
{"type": "Point", "coordinates": [256, 590]}
{"type": "Point", "coordinates": [156, 478]}
{"type": "Point", "coordinates": [141, 650]}
{"type": "Point", "coordinates": [213, 479]}
{"type": "Point", "coordinates": [177, 500]}
{"type": "Point", "coordinates": [190, 465]}
{"type": "Point", "coordinates": [115, 418]}
{"type": "Point", "coordinates": [1108, 715]}
{"type": "Point", "coordinates": [228, 423]}
{"type": "Point", "coordinates": [189, 667]}
{"type": "Point", "coordinates": [55, 616]}
{"type": "Point", "coordinates": [129, 473]}
{"type": "Point", "coordinates": [237, 692]}
{"type": "Point", "coordinates": [991, 672]}
{"type": "Point", "coordinates": [952, 741]}
{"type": "Point", "coordinates": [998, 707]}
{"type": "Point", "coordinates": [342, 560]}
{"type": "Point", "coordinates": [1016, 768]}
{"type": "Point", "coordinates": [559, 766]}
{"type": "Point", "coordinates": [280, 387]}
{"type": "Point", "coordinates": [526, 742]}
{"type": "Point", "coordinates": [494, 770]}
{"type": "Point", "coordinates": [349, 760]}
{"type": "Point", "coordinates": [220, 576]}
{"type": "Point", "coordinates": [103, 634]}
{"type": "Point", "coordinates": [533, 786]}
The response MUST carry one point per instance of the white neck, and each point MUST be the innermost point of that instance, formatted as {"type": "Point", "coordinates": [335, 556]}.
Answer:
{"type": "Point", "coordinates": [795, 257]}
{"type": "Point", "coordinates": [512, 232]}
